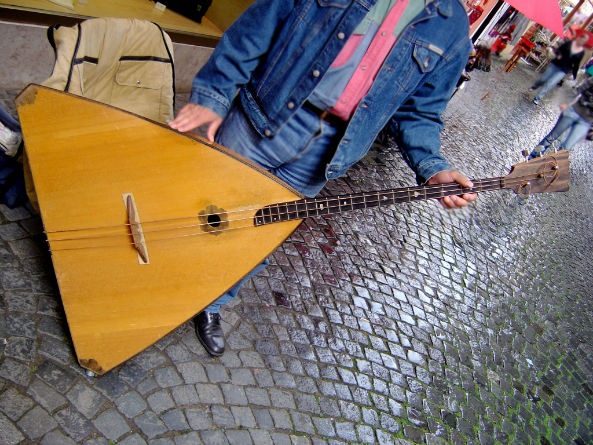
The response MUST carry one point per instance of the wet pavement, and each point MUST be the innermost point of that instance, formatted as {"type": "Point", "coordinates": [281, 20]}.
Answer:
{"type": "Point", "coordinates": [407, 324]}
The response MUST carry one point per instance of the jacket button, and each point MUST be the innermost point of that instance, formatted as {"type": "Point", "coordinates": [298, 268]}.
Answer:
{"type": "Point", "coordinates": [341, 35]}
{"type": "Point", "coordinates": [316, 73]}
{"type": "Point", "coordinates": [267, 133]}
{"type": "Point", "coordinates": [290, 105]}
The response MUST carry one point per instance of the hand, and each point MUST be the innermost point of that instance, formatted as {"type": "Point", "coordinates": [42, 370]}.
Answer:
{"type": "Point", "coordinates": [563, 107]}
{"type": "Point", "coordinates": [453, 201]}
{"type": "Point", "coordinates": [192, 116]}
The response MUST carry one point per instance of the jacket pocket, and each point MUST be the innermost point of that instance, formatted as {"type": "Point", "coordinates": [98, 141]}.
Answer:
{"type": "Point", "coordinates": [141, 72]}
{"type": "Point", "coordinates": [137, 85]}
{"type": "Point", "coordinates": [427, 56]}
{"type": "Point", "coordinates": [334, 3]}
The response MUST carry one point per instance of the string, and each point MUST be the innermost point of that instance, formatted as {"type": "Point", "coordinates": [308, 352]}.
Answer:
{"type": "Point", "coordinates": [423, 192]}
{"type": "Point", "coordinates": [444, 188]}
{"type": "Point", "coordinates": [485, 185]}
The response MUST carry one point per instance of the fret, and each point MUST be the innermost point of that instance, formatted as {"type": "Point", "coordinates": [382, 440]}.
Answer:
{"type": "Point", "coordinates": [268, 215]}
{"type": "Point", "coordinates": [323, 208]}
{"type": "Point", "coordinates": [332, 205]}
{"type": "Point", "coordinates": [301, 209]}
{"type": "Point", "coordinates": [416, 195]}
{"type": "Point", "coordinates": [401, 197]}
{"type": "Point", "coordinates": [291, 211]}
{"type": "Point", "coordinates": [358, 202]}
{"type": "Point", "coordinates": [311, 207]}
{"type": "Point", "coordinates": [277, 213]}
{"type": "Point", "coordinates": [273, 214]}
{"type": "Point", "coordinates": [308, 207]}
{"type": "Point", "coordinates": [345, 204]}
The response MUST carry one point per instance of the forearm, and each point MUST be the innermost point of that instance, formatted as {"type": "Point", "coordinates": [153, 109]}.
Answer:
{"type": "Point", "coordinates": [237, 55]}
{"type": "Point", "coordinates": [418, 123]}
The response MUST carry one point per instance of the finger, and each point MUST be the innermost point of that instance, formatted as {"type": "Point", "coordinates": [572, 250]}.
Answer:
{"type": "Point", "coordinates": [188, 118]}
{"type": "Point", "coordinates": [180, 121]}
{"type": "Point", "coordinates": [188, 121]}
{"type": "Point", "coordinates": [212, 129]}
{"type": "Point", "coordinates": [447, 202]}
{"type": "Point", "coordinates": [457, 202]}
{"type": "Point", "coordinates": [181, 116]}
{"type": "Point", "coordinates": [469, 197]}
{"type": "Point", "coordinates": [460, 202]}
{"type": "Point", "coordinates": [463, 181]}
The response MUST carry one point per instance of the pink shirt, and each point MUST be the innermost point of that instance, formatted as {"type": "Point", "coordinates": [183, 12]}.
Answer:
{"type": "Point", "coordinates": [364, 75]}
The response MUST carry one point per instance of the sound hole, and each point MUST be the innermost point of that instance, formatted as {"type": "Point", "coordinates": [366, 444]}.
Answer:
{"type": "Point", "coordinates": [213, 220]}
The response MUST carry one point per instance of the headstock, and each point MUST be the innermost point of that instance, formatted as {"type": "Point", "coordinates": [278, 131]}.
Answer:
{"type": "Point", "coordinates": [544, 174]}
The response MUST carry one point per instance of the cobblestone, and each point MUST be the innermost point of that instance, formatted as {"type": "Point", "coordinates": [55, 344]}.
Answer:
{"type": "Point", "coordinates": [395, 325]}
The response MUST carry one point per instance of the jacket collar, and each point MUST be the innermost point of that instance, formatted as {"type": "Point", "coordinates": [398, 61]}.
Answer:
{"type": "Point", "coordinates": [445, 7]}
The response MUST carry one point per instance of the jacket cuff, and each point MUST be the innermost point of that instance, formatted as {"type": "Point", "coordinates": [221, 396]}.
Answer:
{"type": "Point", "coordinates": [428, 169]}
{"type": "Point", "coordinates": [206, 98]}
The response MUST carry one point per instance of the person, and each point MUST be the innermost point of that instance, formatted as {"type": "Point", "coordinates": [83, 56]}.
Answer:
{"type": "Point", "coordinates": [568, 58]}
{"type": "Point", "coordinates": [303, 88]}
{"type": "Point", "coordinates": [501, 40]}
{"type": "Point", "coordinates": [575, 120]}
{"type": "Point", "coordinates": [12, 181]}
{"type": "Point", "coordinates": [10, 134]}
{"type": "Point", "coordinates": [475, 11]}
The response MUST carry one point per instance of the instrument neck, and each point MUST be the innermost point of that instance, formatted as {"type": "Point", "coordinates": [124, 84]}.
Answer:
{"type": "Point", "coordinates": [308, 207]}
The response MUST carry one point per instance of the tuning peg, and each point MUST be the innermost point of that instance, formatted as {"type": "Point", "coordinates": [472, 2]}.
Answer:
{"type": "Point", "coordinates": [555, 147]}
{"type": "Point", "coordinates": [525, 154]}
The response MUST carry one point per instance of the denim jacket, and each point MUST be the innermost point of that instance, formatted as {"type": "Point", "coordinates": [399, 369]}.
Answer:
{"type": "Point", "coordinates": [278, 50]}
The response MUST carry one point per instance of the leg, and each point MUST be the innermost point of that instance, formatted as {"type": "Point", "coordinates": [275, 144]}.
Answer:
{"type": "Point", "coordinates": [566, 120]}
{"type": "Point", "coordinates": [550, 70]}
{"type": "Point", "coordinates": [298, 155]}
{"type": "Point", "coordinates": [554, 75]}
{"type": "Point", "coordinates": [576, 133]}
{"type": "Point", "coordinates": [8, 121]}
{"type": "Point", "coordinates": [10, 134]}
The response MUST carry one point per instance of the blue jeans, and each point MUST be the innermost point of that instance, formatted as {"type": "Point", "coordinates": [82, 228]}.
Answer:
{"type": "Point", "coordinates": [569, 120]}
{"type": "Point", "coordinates": [549, 79]}
{"type": "Point", "coordinates": [8, 121]}
{"type": "Point", "coordinates": [297, 154]}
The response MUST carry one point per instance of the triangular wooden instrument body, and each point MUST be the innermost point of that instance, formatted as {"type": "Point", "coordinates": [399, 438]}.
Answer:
{"type": "Point", "coordinates": [86, 158]}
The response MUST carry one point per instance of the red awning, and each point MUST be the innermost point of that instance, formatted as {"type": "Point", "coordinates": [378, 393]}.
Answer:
{"type": "Point", "coordinates": [545, 12]}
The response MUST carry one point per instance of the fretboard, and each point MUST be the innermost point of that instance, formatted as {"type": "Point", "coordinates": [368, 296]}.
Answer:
{"type": "Point", "coordinates": [309, 207]}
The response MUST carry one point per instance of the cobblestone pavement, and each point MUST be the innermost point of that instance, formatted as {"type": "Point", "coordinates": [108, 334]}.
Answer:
{"type": "Point", "coordinates": [394, 325]}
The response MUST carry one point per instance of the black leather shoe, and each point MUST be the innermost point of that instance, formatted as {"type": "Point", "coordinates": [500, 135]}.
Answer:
{"type": "Point", "coordinates": [210, 333]}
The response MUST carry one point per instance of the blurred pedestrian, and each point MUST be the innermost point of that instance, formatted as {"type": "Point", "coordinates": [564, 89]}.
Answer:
{"type": "Point", "coordinates": [502, 38]}
{"type": "Point", "coordinates": [575, 120]}
{"type": "Point", "coordinates": [568, 58]}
